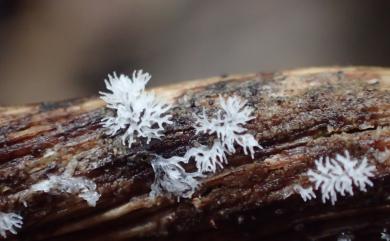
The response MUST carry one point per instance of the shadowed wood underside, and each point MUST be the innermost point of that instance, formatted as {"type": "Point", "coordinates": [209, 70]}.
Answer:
{"type": "Point", "coordinates": [301, 115]}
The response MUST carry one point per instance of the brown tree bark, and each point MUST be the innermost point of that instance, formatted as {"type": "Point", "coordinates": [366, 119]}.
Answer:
{"type": "Point", "coordinates": [301, 115]}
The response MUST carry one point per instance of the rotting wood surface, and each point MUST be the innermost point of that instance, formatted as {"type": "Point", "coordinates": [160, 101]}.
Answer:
{"type": "Point", "coordinates": [301, 115]}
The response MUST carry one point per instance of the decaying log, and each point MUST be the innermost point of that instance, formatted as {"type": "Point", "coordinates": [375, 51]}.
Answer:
{"type": "Point", "coordinates": [301, 115]}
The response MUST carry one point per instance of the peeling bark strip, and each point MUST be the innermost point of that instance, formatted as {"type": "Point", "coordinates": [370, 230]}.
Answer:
{"type": "Point", "coordinates": [301, 115]}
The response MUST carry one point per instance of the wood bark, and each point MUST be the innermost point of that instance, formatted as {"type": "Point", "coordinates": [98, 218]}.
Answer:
{"type": "Point", "coordinates": [301, 115]}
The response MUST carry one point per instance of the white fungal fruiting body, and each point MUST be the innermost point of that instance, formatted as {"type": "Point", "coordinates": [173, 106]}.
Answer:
{"type": "Point", "coordinates": [228, 125]}
{"type": "Point", "coordinates": [172, 178]}
{"type": "Point", "coordinates": [339, 175]}
{"type": "Point", "coordinates": [306, 193]}
{"type": "Point", "coordinates": [208, 159]}
{"type": "Point", "coordinates": [86, 189]}
{"type": "Point", "coordinates": [9, 222]}
{"type": "Point", "coordinates": [138, 113]}
{"type": "Point", "coordinates": [385, 235]}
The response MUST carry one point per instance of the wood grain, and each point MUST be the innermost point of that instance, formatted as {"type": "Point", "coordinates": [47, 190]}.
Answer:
{"type": "Point", "coordinates": [301, 115]}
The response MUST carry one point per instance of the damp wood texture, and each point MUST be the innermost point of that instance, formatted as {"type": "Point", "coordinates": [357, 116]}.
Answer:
{"type": "Point", "coordinates": [301, 115]}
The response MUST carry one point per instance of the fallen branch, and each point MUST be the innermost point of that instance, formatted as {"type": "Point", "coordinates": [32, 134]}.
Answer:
{"type": "Point", "coordinates": [301, 115]}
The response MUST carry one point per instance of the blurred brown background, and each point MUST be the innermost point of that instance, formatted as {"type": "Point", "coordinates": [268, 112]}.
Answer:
{"type": "Point", "coordinates": [53, 50]}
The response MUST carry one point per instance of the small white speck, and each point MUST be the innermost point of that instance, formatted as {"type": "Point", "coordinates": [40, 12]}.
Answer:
{"type": "Point", "coordinates": [345, 237]}
{"type": "Point", "coordinates": [373, 81]}
{"type": "Point", "coordinates": [48, 153]}
{"type": "Point", "coordinates": [382, 156]}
